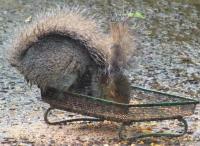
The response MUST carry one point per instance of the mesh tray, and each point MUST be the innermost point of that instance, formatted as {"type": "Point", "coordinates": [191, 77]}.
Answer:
{"type": "Point", "coordinates": [145, 105]}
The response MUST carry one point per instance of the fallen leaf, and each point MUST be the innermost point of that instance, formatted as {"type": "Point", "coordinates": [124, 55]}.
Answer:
{"type": "Point", "coordinates": [141, 142]}
{"type": "Point", "coordinates": [136, 15]}
{"type": "Point", "coordinates": [154, 144]}
{"type": "Point", "coordinates": [28, 19]}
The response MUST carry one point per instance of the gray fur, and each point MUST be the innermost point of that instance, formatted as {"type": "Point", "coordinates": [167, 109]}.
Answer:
{"type": "Point", "coordinates": [59, 49]}
{"type": "Point", "coordinates": [55, 61]}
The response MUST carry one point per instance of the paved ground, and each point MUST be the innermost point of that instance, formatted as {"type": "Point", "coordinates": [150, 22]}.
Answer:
{"type": "Point", "coordinates": [167, 59]}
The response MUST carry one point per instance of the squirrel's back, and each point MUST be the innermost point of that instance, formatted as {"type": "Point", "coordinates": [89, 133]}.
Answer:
{"type": "Point", "coordinates": [58, 47]}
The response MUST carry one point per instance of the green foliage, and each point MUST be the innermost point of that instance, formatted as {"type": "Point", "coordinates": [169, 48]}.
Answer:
{"type": "Point", "coordinates": [136, 15]}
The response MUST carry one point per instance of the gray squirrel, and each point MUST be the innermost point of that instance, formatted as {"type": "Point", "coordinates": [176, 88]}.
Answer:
{"type": "Point", "coordinates": [65, 48]}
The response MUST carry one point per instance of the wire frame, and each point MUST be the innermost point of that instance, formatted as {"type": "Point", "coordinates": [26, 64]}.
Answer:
{"type": "Point", "coordinates": [154, 105]}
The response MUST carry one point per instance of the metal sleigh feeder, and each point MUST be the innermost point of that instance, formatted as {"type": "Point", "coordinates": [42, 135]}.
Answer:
{"type": "Point", "coordinates": [159, 106]}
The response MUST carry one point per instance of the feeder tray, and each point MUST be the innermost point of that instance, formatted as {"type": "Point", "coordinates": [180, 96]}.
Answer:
{"type": "Point", "coordinates": [154, 106]}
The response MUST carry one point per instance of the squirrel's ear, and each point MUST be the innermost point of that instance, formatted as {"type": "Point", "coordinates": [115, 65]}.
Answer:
{"type": "Point", "coordinates": [113, 27]}
{"type": "Point", "coordinates": [115, 32]}
{"type": "Point", "coordinates": [119, 31]}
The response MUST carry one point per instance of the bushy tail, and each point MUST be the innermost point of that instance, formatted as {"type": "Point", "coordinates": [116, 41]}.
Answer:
{"type": "Point", "coordinates": [70, 22]}
{"type": "Point", "coordinates": [56, 46]}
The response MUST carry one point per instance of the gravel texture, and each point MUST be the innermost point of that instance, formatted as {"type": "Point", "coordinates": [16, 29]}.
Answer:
{"type": "Point", "coordinates": [167, 59]}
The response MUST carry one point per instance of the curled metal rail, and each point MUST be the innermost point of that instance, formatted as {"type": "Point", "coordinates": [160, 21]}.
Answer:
{"type": "Point", "coordinates": [46, 114]}
{"type": "Point", "coordinates": [133, 138]}
{"type": "Point", "coordinates": [122, 127]}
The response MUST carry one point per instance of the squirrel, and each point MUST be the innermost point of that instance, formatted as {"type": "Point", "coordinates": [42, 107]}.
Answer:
{"type": "Point", "coordinates": [64, 47]}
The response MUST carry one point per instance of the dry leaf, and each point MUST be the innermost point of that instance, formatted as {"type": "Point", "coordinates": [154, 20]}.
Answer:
{"type": "Point", "coordinates": [141, 142]}
{"type": "Point", "coordinates": [154, 144]}
{"type": "Point", "coordinates": [28, 19]}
